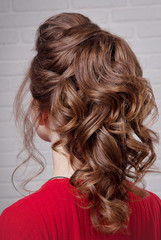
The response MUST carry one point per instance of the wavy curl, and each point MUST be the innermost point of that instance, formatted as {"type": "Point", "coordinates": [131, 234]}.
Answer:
{"type": "Point", "coordinates": [92, 83]}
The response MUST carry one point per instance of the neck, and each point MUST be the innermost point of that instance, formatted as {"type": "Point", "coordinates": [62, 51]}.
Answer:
{"type": "Point", "coordinates": [61, 164]}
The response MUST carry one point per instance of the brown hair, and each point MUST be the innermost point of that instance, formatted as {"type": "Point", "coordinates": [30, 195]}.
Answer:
{"type": "Point", "coordinates": [92, 84]}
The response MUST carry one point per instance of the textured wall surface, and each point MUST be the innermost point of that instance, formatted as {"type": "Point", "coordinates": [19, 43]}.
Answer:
{"type": "Point", "coordinates": [138, 21]}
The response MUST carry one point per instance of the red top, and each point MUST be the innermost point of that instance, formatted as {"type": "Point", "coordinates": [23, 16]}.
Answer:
{"type": "Point", "coordinates": [53, 213]}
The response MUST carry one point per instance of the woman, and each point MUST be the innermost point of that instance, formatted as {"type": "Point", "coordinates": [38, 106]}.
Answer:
{"type": "Point", "coordinates": [90, 100]}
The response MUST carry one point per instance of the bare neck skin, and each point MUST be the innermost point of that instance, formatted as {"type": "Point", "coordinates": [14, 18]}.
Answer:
{"type": "Point", "coordinates": [61, 165]}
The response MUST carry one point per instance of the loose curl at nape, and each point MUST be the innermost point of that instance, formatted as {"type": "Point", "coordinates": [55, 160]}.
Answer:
{"type": "Point", "coordinates": [92, 84]}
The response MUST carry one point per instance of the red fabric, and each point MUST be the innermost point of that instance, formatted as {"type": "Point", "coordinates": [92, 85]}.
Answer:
{"type": "Point", "coordinates": [53, 213]}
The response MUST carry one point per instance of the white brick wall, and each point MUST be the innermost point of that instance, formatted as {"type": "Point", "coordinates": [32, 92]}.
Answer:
{"type": "Point", "coordinates": [138, 21]}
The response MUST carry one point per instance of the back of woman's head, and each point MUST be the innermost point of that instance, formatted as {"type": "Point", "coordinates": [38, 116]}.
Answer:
{"type": "Point", "coordinates": [92, 84]}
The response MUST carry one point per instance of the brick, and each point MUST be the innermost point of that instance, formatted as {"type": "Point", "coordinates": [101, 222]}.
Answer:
{"type": "Point", "coordinates": [34, 20]}
{"type": "Point", "coordinates": [144, 2]}
{"type": "Point", "coordinates": [22, 19]}
{"type": "Point", "coordinates": [97, 4]}
{"type": "Point", "coordinates": [16, 52]}
{"type": "Point", "coordinates": [5, 174]}
{"type": "Point", "coordinates": [28, 35]}
{"type": "Point", "coordinates": [32, 5]}
{"type": "Point", "coordinates": [142, 46]}
{"type": "Point", "coordinates": [153, 182]}
{"type": "Point", "coordinates": [8, 36]}
{"type": "Point", "coordinates": [16, 82]}
{"type": "Point", "coordinates": [131, 14]}
{"type": "Point", "coordinates": [13, 68]}
{"type": "Point", "coordinates": [8, 191]}
{"type": "Point", "coordinates": [4, 5]}
{"type": "Point", "coordinates": [97, 16]}
{"type": "Point", "coordinates": [158, 152]}
{"type": "Point", "coordinates": [158, 159]}
{"type": "Point", "coordinates": [150, 61]}
{"type": "Point", "coordinates": [122, 31]}
{"type": "Point", "coordinates": [157, 127]}
{"type": "Point", "coordinates": [157, 91]}
{"type": "Point", "coordinates": [153, 75]}
{"type": "Point", "coordinates": [8, 159]}
{"type": "Point", "coordinates": [159, 109]}
{"type": "Point", "coordinates": [8, 130]}
{"type": "Point", "coordinates": [6, 99]}
{"type": "Point", "coordinates": [6, 114]}
{"type": "Point", "coordinates": [142, 60]}
{"type": "Point", "coordinates": [4, 84]}
{"type": "Point", "coordinates": [149, 30]}
{"type": "Point", "coordinates": [7, 145]}
{"type": "Point", "coordinates": [153, 61]}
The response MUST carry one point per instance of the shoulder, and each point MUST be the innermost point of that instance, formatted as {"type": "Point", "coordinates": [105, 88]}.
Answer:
{"type": "Point", "coordinates": [16, 223]}
{"type": "Point", "coordinates": [146, 210]}
{"type": "Point", "coordinates": [150, 199]}
{"type": "Point", "coordinates": [145, 217]}
{"type": "Point", "coordinates": [153, 203]}
{"type": "Point", "coordinates": [51, 190]}
{"type": "Point", "coordinates": [150, 202]}
{"type": "Point", "coordinates": [27, 215]}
